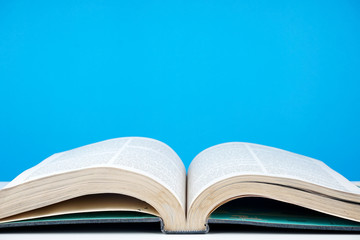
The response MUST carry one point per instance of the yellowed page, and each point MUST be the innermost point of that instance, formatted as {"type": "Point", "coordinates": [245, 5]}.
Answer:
{"type": "Point", "coordinates": [146, 156]}
{"type": "Point", "coordinates": [233, 159]}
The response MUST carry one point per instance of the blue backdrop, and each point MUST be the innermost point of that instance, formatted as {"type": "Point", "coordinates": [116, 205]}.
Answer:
{"type": "Point", "coordinates": [189, 73]}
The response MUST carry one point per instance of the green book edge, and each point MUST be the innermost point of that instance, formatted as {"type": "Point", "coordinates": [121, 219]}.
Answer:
{"type": "Point", "coordinates": [268, 212]}
{"type": "Point", "coordinates": [86, 218]}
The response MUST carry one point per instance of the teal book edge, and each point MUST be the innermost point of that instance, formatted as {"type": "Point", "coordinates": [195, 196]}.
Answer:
{"type": "Point", "coordinates": [86, 218]}
{"type": "Point", "coordinates": [272, 213]}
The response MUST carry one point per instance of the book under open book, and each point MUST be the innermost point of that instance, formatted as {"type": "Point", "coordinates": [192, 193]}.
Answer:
{"type": "Point", "coordinates": [136, 179]}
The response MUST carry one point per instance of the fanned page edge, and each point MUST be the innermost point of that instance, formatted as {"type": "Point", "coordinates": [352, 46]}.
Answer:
{"type": "Point", "coordinates": [174, 184]}
{"type": "Point", "coordinates": [116, 180]}
{"type": "Point", "coordinates": [2, 184]}
{"type": "Point", "coordinates": [196, 169]}
{"type": "Point", "coordinates": [160, 147]}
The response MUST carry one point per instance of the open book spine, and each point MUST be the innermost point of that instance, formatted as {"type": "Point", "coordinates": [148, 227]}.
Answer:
{"type": "Point", "coordinates": [184, 231]}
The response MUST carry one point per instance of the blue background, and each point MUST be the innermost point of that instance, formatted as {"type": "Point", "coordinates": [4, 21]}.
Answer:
{"type": "Point", "coordinates": [189, 73]}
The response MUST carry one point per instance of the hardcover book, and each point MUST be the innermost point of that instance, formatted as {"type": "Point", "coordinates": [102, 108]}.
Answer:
{"type": "Point", "coordinates": [136, 179]}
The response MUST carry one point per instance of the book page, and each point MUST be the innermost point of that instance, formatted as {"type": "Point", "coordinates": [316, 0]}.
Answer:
{"type": "Point", "coordinates": [233, 159]}
{"type": "Point", "coordinates": [146, 156]}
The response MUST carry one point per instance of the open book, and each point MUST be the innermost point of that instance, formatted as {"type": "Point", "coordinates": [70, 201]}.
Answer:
{"type": "Point", "coordinates": [135, 179]}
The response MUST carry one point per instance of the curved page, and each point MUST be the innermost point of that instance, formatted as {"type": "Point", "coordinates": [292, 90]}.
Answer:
{"type": "Point", "coordinates": [234, 159]}
{"type": "Point", "coordinates": [146, 156]}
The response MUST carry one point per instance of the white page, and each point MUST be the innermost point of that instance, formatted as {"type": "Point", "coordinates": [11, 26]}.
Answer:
{"type": "Point", "coordinates": [233, 159]}
{"type": "Point", "coordinates": [147, 156]}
